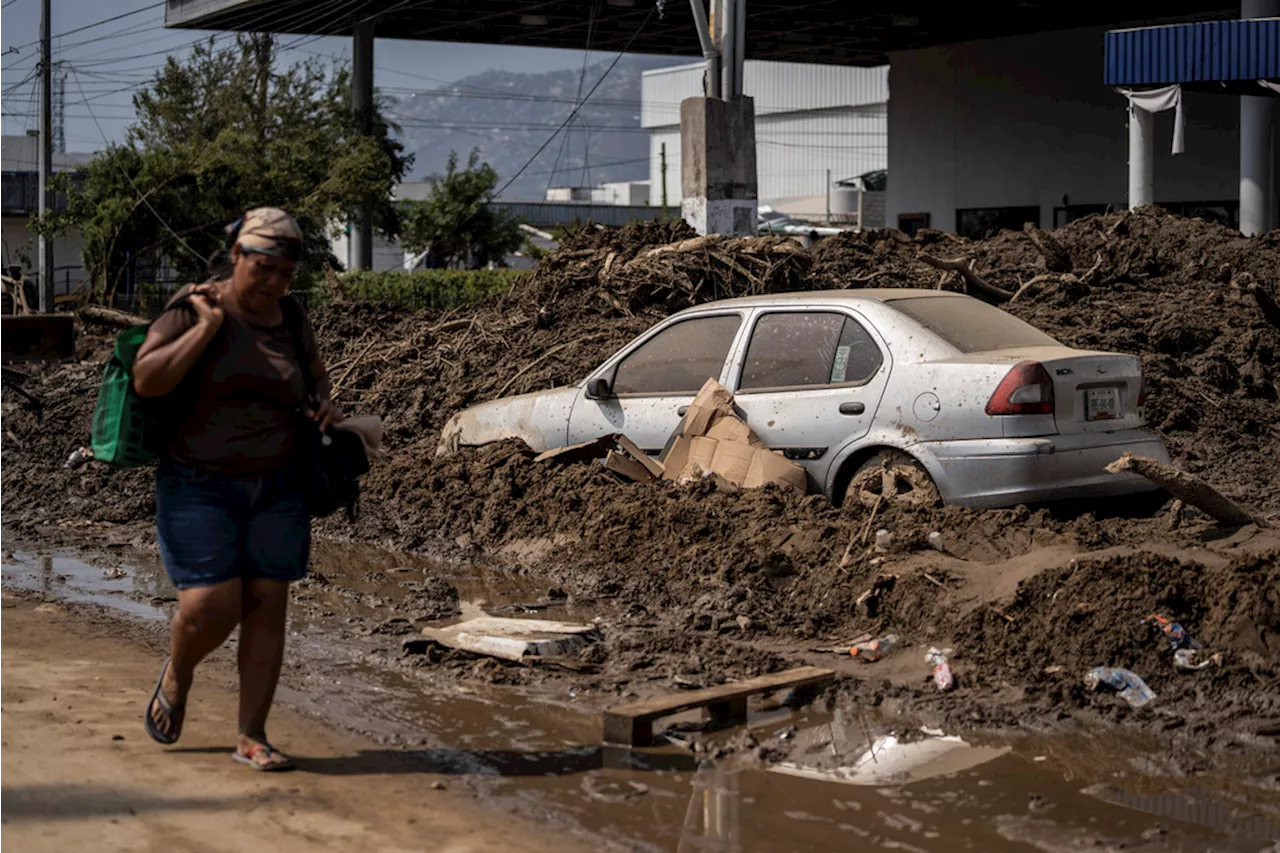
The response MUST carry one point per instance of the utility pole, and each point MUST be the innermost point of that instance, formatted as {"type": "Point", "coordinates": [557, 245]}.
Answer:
{"type": "Point", "coordinates": [828, 196]}
{"type": "Point", "coordinates": [45, 265]}
{"type": "Point", "coordinates": [663, 155]}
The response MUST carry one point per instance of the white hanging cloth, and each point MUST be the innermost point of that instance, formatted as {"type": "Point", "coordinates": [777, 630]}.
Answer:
{"type": "Point", "coordinates": [1159, 100]}
{"type": "Point", "coordinates": [1270, 84]}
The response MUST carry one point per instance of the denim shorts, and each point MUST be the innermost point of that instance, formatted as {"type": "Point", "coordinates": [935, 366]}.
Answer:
{"type": "Point", "coordinates": [214, 529]}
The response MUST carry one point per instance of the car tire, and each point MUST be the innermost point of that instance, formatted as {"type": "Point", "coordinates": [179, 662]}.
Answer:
{"type": "Point", "coordinates": [893, 476]}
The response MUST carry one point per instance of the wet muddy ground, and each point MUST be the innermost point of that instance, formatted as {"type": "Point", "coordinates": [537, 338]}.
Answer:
{"type": "Point", "coordinates": [830, 775]}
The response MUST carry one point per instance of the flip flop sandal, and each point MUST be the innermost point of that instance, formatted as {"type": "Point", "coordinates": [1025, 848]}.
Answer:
{"type": "Point", "coordinates": [250, 758]}
{"type": "Point", "coordinates": [173, 711]}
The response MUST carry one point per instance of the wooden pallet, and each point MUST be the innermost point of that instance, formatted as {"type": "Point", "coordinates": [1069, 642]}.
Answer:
{"type": "Point", "coordinates": [632, 725]}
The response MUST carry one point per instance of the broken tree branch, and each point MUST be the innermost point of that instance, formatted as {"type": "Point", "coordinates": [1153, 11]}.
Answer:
{"type": "Point", "coordinates": [531, 365]}
{"type": "Point", "coordinates": [1089, 277]}
{"type": "Point", "coordinates": [1187, 488]}
{"type": "Point", "coordinates": [337, 386]}
{"type": "Point", "coordinates": [110, 317]}
{"type": "Point", "coordinates": [975, 281]}
{"type": "Point", "coordinates": [1040, 279]}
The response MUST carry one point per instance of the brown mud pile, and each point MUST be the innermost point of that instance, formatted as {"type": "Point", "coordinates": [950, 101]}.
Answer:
{"type": "Point", "coordinates": [714, 585]}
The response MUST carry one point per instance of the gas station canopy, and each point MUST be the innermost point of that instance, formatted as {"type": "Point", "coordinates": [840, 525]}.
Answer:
{"type": "Point", "coordinates": [830, 31]}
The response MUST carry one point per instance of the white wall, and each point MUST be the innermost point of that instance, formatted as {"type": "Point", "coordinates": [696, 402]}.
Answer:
{"type": "Point", "coordinates": [386, 255]}
{"type": "Point", "coordinates": [809, 118]}
{"type": "Point", "coordinates": [794, 151]}
{"type": "Point", "coordinates": [1025, 120]}
{"type": "Point", "coordinates": [66, 253]}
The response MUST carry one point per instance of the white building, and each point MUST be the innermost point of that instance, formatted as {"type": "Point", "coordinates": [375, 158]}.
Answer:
{"type": "Point", "coordinates": [815, 124]}
{"type": "Point", "coordinates": [20, 188]}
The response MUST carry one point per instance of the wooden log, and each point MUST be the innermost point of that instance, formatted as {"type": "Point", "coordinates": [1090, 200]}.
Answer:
{"type": "Point", "coordinates": [104, 316]}
{"type": "Point", "coordinates": [1187, 488]}
{"type": "Point", "coordinates": [976, 283]}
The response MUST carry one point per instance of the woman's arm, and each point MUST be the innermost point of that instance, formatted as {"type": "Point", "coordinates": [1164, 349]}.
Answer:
{"type": "Point", "coordinates": [163, 361]}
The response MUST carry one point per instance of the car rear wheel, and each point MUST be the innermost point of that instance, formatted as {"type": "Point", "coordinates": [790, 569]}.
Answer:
{"type": "Point", "coordinates": [894, 477]}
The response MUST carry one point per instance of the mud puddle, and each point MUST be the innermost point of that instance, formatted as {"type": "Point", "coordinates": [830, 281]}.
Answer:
{"type": "Point", "coordinates": [794, 780]}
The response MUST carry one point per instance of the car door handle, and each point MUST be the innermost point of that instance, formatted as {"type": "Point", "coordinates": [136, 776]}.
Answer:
{"type": "Point", "coordinates": [852, 408]}
{"type": "Point", "coordinates": [682, 411]}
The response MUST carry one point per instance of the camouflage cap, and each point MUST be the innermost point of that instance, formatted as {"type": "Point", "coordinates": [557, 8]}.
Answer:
{"type": "Point", "coordinates": [268, 230]}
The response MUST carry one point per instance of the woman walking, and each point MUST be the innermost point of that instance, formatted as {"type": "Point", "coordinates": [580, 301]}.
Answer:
{"type": "Point", "coordinates": [233, 527]}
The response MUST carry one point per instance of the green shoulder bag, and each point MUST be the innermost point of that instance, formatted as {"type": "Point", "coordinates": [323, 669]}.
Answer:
{"type": "Point", "coordinates": [123, 425]}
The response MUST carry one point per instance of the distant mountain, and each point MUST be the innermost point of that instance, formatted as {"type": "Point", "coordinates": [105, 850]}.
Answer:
{"type": "Point", "coordinates": [508, 116]}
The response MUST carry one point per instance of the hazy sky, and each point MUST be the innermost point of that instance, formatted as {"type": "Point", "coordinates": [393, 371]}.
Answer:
{"type": "Point", "coordinates": [106, 63]}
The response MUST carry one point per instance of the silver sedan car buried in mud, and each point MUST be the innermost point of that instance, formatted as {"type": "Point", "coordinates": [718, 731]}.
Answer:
{"type": "Point", "coordinates": [915, 393]}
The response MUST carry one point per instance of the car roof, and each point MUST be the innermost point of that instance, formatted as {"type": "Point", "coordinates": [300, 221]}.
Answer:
{"type": "Point", "coordinates": [870, 294]}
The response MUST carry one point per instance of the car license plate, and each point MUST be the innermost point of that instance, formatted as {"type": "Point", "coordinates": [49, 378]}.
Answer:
{"type": "Point", "coordinates": [1102, 404]}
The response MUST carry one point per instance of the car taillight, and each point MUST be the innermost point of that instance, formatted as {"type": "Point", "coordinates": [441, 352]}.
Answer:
{"type": "Point", "coordinates": [1026, 390]}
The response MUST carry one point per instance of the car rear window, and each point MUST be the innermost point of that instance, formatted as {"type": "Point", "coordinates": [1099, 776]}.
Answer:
{"type": "Point", "coordinates": [971, 325]}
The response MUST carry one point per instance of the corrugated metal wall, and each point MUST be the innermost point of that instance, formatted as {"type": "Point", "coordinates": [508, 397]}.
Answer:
{"type": "Point", "coordinates": [1189, 53]}
{"type": "Point", "coordinates": [778, 87]}
{"type": "Point", "coordinates": [809, 118]}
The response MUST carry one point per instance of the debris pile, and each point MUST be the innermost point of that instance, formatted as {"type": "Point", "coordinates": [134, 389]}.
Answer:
{"type": "Point", "coordinates": [696, 568]}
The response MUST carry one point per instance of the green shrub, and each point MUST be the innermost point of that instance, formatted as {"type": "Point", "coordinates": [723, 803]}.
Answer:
{"type": "Point", "coordinates": [435, 289]}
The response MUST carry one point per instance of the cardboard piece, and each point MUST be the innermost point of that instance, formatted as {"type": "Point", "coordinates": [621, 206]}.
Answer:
{"type": "Point", "coordinates": [768, 466]}
{"type": "Point", "coordinates": [713, 401]}
{"type": "Point", "coordinates": [714, 441]}
{"type": "Point", "coordinates": [597, 448]}
{"type": "Point", "coordinates": [702, 451]}
{"type": "Point", "coordinates": [653, 466]}
{"type": "Point", "coordinates": [735, 430]}
{"type": "Point", "coordinates": [732, 460]}
{"type": "Point", "coordinates": [619, 453]}
{"type": "Point", "coordinates": [632, 469]}
{"type": "Point", "coordinates": [677, 458]}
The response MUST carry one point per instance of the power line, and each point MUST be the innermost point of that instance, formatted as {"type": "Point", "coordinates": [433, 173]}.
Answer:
{"type": "Point", "coordinates": [578, 108]}
{"type": "Point", "coordinates": [95, 24]}
{"type": "Point", "coordinates": [141, 196]}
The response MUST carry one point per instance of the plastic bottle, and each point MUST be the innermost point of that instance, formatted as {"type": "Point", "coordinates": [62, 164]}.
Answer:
{"type": "Point", "coordinates": [943, 678]}
{"type": "Point", "coordinates": [872, 650]}
{"type": "Point", "coordinates": [1128, 685]}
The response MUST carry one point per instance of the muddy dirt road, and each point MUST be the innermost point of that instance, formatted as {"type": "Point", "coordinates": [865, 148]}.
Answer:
{"type": "Point", "coordinates": [80, 773]}
{"type": "Point", "coordinates": [373, 730]}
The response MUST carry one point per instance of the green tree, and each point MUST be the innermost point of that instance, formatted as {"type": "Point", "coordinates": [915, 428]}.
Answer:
{"type": "Point", "coordinates": [457, 224]}
{"type": "Point", "coordinates": [218, 134]}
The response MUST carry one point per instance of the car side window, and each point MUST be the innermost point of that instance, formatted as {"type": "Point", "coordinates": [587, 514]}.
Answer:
{"type": "Point", "coordinates": [679, 359]}
{"type": "Point", "coordinates": [808, 349]}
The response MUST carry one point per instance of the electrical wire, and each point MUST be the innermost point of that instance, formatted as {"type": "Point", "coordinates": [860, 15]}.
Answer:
{"type": "Point", "coordinates": [578, 108]}
{"type": "Point", "coordinates": [141, 196]}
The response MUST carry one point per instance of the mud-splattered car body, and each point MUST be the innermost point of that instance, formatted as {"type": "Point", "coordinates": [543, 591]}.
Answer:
{"type": "Point", "coordinates": [995, 411]}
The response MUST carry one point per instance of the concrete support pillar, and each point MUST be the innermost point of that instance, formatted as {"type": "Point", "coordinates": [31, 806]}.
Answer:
{"type": "Point", "coordinates": [1142, 157]}
{"type": "Point", "coordinates": [1257, 188]}
{"type": "Point", "coordinates": [1257, 122]}
{"type": "Point", "coordinates": [718, 165]}
{"type": "Point", "coordinates": [362, 104]}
